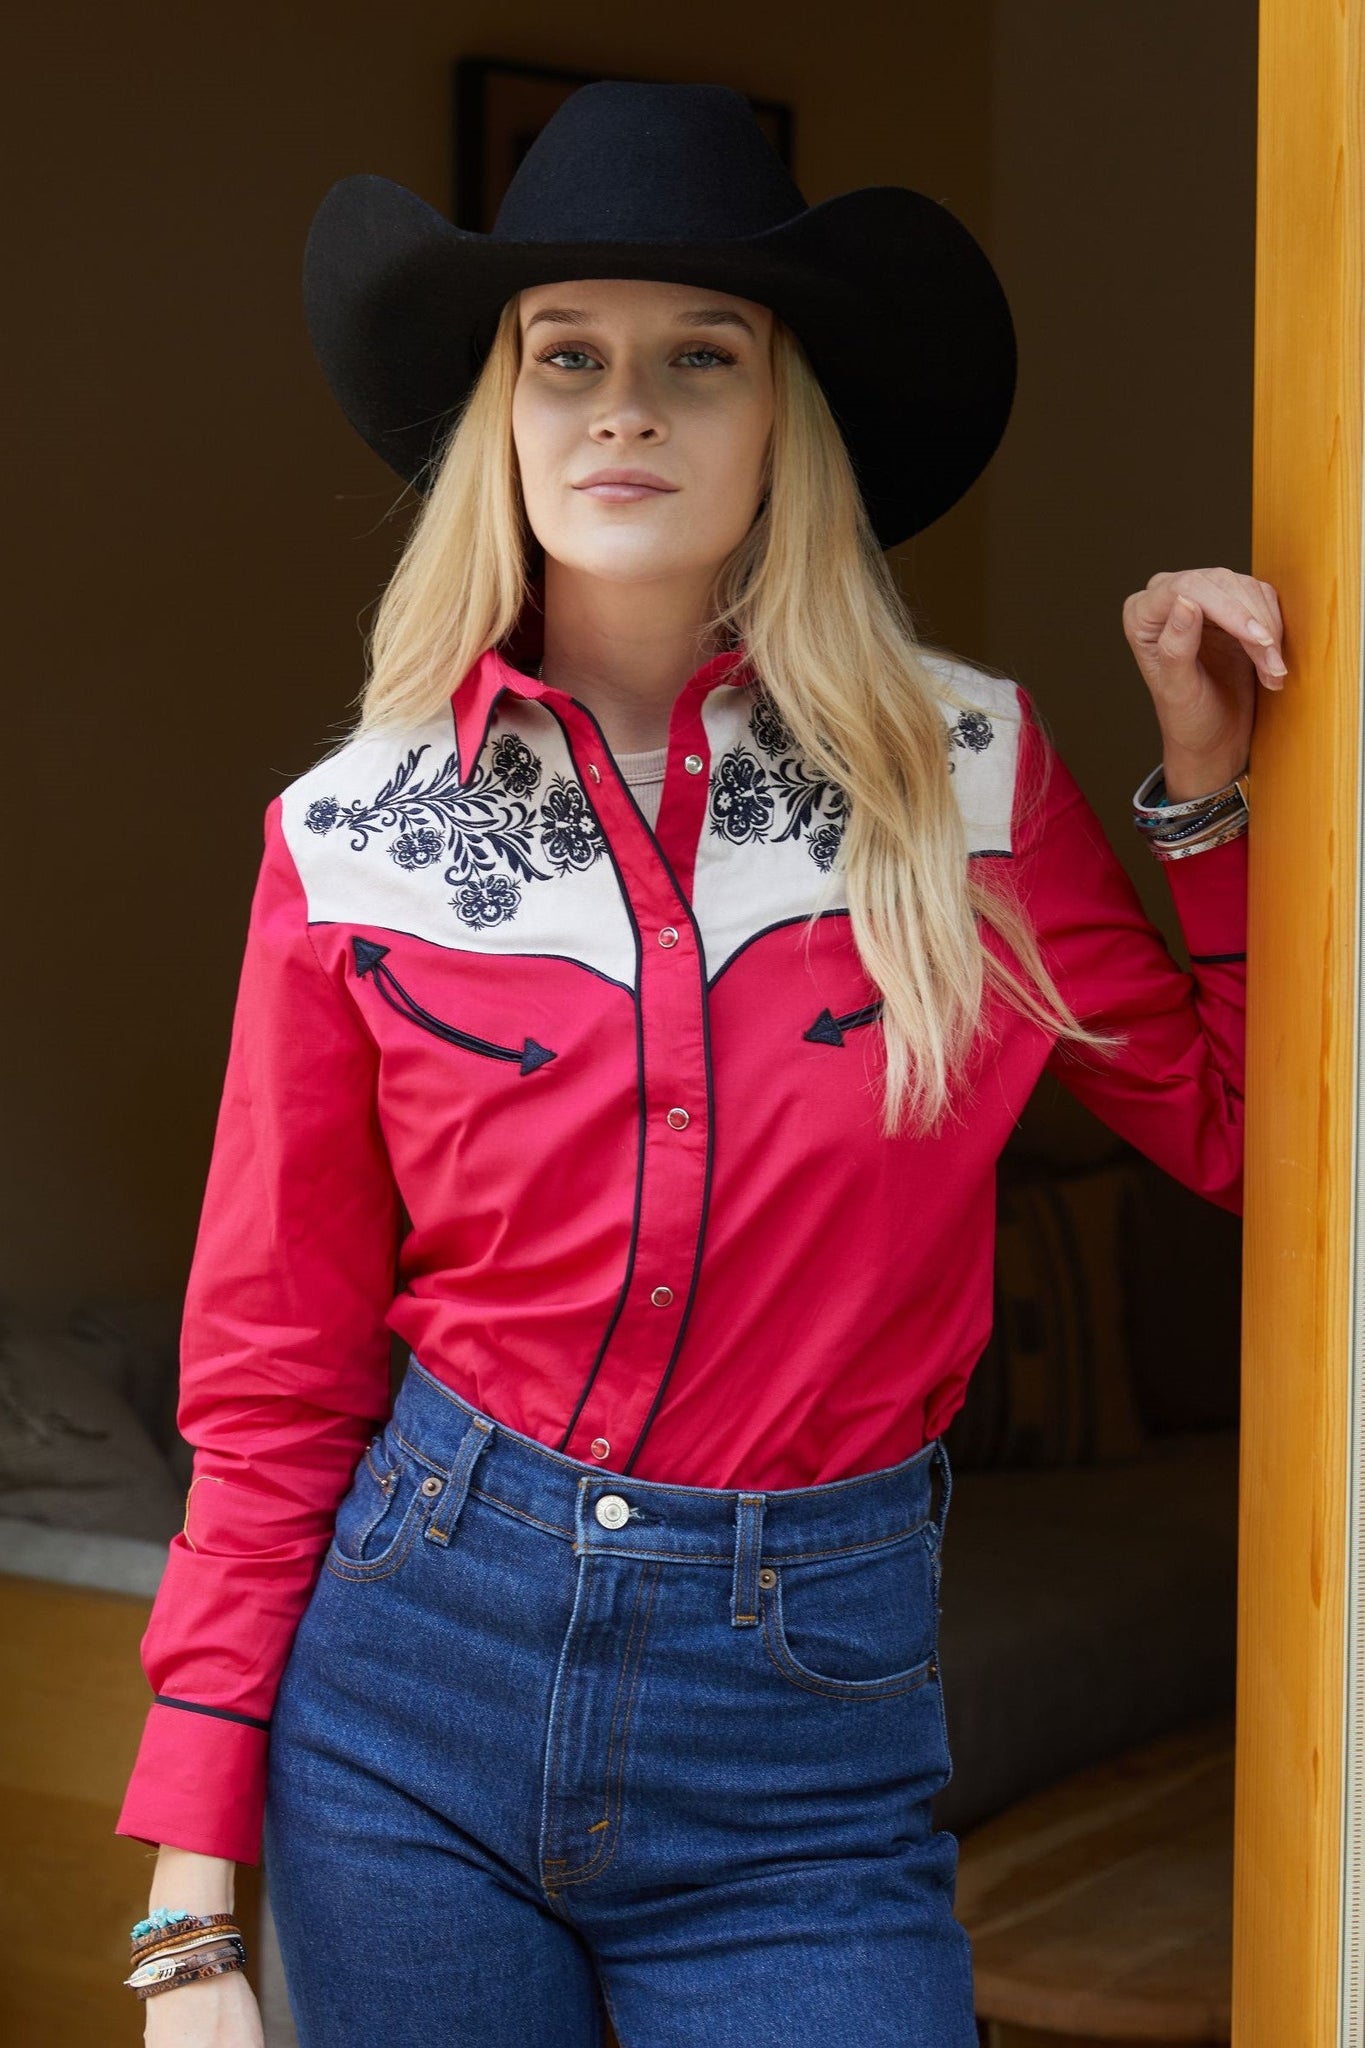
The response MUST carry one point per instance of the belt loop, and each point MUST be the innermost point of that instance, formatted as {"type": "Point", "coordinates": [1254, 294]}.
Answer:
{"type": "Point", "coordinates": [748, 1550]}
{"type": "Point", "coordinates": [441, 1525]}
{"type": "Point", "coordinates": [941, 1459]}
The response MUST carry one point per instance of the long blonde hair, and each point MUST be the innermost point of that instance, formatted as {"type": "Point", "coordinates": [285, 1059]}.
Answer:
{"type": "Point", "coordinates": [814, 603]}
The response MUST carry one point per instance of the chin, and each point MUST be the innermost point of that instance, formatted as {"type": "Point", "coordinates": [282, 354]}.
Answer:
{"type": "Point", "coordinates": [627, 565]}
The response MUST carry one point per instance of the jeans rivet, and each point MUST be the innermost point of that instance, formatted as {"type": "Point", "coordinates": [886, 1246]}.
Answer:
{"type": "Point", "coordinates": [432, 1484]}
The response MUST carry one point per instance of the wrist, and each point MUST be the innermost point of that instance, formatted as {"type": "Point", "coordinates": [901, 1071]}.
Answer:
{"type": "Point", "coordinates": [184, 1877]}
{"type": "Point", "coordinates": [1186, 779]}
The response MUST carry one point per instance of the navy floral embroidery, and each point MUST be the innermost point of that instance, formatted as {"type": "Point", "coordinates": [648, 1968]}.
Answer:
{"type": "Point", "coordinates": [322, 814]}
{"type": "Point", "coordinates": [741, 807]}
{"type": "Point", "coordinates": [747, 793]}
{"type": "Point", "coordinates": [417, 849]}
{"type": "Point", "coordinates": [972, 729]}
{"type": "Point", "coordinates": [487, 900]}
{"type": "Point", "coordinates": [489, 830]}
{"type": "Point", "coordinates": [570, 835]}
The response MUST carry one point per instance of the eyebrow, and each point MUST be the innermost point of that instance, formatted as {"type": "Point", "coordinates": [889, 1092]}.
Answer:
{"type": "Point", "coordinates": [700, 316]}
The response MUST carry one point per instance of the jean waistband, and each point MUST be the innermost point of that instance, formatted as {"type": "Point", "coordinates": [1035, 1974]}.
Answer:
{"type": "Point", "coordinates": [603, 1511]}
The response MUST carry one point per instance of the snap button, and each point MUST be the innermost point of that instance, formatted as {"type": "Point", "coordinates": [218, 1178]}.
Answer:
{"type": "Point", "coordinates": [767, 1577]}
{"type": "Point", "coordinates": [611, 1511]}
{"type": "Point", "coordinates": [661, 1297]}
{"type": "Point", "coordinates": [693, 763]}
{"type": "Point", "coordinates": [668, 936]}
{"type": "Point", "coordinates": [678, 1119]}
{"type": "Point", "coordinates": [594, 771]}
{"type": "Point", "coordinates": [599, 1447]}
{"type": "Point", "coordinates": [431, 1484]}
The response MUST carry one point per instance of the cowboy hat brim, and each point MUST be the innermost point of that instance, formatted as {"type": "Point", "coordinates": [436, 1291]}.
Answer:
{"type": "Point", "coordinates": [897, 306]}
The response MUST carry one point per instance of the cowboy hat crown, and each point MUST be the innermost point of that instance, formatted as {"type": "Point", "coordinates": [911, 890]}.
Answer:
{"type": "Point", "coordinates": [900, 313]}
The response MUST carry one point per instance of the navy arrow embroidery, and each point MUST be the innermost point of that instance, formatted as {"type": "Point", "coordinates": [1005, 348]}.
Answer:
{"type": "Point", "coordinates": [369, 959]}
{"type": "Point", "coordinates": [829, 1029]}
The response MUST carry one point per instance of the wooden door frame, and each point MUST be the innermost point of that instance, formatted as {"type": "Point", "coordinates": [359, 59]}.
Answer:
{"type": "Point", "coordinates": [1298, 1669]}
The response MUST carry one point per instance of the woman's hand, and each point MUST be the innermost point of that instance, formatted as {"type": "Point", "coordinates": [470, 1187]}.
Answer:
{"type": "Point", "coordinates": [1203, 638]}
{"type": "Point", "coordinates": [214, 2012]}
{"type": "Point", "coordinates": [217, 2012]}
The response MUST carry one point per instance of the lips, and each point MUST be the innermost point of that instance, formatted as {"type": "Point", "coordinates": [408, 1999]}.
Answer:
{"type": "Point", "coordinates": [623, 485]}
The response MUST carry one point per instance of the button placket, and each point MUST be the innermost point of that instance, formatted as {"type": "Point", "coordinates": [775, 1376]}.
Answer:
{"type": "Point", "coordinates": [632, 1370]}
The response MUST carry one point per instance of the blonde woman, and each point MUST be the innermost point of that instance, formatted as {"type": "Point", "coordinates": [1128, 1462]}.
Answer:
{"type": "Point", "coordinates": [634, 1007]}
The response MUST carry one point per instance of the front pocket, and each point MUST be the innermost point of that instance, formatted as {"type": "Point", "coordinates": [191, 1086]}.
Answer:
{"type": "Point", "coordinates": [388, 1503]}
{"type": "Point", "coordinates": [369, 960]}
{"type": "Point", "coordinates": [829, 1029]}
{"type": "Point", "coordinates": [855, 1626]}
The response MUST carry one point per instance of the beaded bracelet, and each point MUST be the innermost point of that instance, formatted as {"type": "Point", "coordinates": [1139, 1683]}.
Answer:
{"type": "Point", "coordinates": [174, 1946]}
{"type": "Point", "coordinates": [1175, 830]}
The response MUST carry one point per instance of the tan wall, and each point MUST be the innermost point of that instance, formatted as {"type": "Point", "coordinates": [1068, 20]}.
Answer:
{"type": "Point", "coordinates": [197, 536]}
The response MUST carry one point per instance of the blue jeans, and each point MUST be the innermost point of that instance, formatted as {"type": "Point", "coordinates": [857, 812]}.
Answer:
{"type": "Point", "coordinates": [550, 1737]}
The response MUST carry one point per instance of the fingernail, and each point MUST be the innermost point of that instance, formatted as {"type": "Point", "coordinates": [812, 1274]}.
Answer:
{"type": "Point", "coordinates": [1258, 632]}
{"type": "Point", "coordinates": [1190, 606]}
{"type": "Point", "coordinates": [1276, 666]}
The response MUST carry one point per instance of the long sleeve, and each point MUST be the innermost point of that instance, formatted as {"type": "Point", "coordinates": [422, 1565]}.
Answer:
{"type": "Point", "coordinates": [1175, 1091]}
{"type": "Point", "coordinates": [283, 1377]}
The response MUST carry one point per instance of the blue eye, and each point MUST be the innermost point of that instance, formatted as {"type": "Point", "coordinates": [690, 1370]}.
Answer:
{"type": "Point", "coordinates": [717, 356]}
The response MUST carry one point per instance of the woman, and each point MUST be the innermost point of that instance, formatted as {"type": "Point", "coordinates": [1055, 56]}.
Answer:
{"type": "Point", "coordinates": [631, 1028]}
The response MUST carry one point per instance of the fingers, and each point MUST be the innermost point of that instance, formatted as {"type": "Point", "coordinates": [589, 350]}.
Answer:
{"type": "Point", "coordinates": [1245, 607]}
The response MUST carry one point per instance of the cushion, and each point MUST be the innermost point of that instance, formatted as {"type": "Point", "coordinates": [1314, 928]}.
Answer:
{"type": "Point", "coordinates": [1052, 1387]}
{"type": "Point", "coordinates": [72, 1452]}
{"type": "Point", "coordinates": [136, 1346]}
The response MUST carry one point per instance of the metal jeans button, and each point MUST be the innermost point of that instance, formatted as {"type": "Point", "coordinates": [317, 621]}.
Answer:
{"type": "Point", "coordinates": [611, 1511]}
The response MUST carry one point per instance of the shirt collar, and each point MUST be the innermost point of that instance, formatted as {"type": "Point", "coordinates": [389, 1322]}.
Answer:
{"type": "Point", "coordinates": [512, 667]}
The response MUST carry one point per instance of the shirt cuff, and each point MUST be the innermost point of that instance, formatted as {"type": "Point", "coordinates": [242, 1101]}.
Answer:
{"type": "Point", "coordinates": [198, 1783]}
{"type": "Point", "coordinates": [1210, 894]}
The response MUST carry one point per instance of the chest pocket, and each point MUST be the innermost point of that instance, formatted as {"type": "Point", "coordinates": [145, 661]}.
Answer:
{"type": "Point", "coordinates": [369, 964]}
{"type": "Point", "coordinates": [829, 1029]}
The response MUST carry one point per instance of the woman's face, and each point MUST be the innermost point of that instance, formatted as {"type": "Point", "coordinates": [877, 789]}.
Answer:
{"type": "Point", "coordinates": [673, 381]}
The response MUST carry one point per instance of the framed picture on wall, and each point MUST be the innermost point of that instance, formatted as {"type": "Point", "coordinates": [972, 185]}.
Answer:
{"type": "Point", "coordinates": [499, 109]}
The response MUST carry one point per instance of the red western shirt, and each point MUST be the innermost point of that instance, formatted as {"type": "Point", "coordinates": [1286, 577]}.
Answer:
{"type": "Point", "coordinates": [587, 1117]}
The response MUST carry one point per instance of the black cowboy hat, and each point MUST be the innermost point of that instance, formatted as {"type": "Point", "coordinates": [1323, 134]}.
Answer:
{"type": "Point", "coordinates": [905, 322]}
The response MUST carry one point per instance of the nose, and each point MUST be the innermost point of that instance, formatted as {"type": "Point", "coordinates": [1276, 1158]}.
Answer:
{"type": "Point", "coordinates": [628, 406]}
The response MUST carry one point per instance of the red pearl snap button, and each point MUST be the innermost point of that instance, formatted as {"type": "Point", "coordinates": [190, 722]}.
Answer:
{"type": "Point", "coordinates": [693, 763]}
{"type": "Point", "coordinates": [599, 1447]}
{"type": "Point", "coordinates": [668, 936]}
{"type": "Point", "coordinates": [661, 1297]}
{"type": "Point", "coordinates": [678, 1119]}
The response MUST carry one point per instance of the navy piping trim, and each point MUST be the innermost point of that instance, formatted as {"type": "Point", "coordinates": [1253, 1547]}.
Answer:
{"type": "Point", "coordinates": [829, 1029]}
{"type": "Point", "coordinates": [530, 1055]}
{"type": "Point", "coordinates": [474, 952]}
{"type": "Point", "coordinates": [164, 1699]}
{"type": "Point", "coordinates": [624, 1294]}
{"type": "Point", "coordinates": [1212, 959]}
{"type": "Point", "coordinates": [838, 910]}
{"type": "Point", "coordinates": [710, 1103]}
{"type": "Point", "coordinates": [686, 1314]}
{"type": "Point", "coordinates": [466, 768]}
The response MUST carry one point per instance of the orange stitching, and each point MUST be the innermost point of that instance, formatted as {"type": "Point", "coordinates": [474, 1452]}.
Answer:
{"type": "Point", "coordinates": [185, 1525]}
{"type": "Point", "coordinates": [599, 1863]}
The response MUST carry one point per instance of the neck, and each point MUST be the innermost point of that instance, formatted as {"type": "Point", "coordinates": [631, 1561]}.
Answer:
{"type": "Point", "coordinates": [624, 650]}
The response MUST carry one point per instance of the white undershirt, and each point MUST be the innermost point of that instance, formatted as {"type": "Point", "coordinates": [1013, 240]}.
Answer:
{"type": "Point", "coordinates": [645, 774]}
